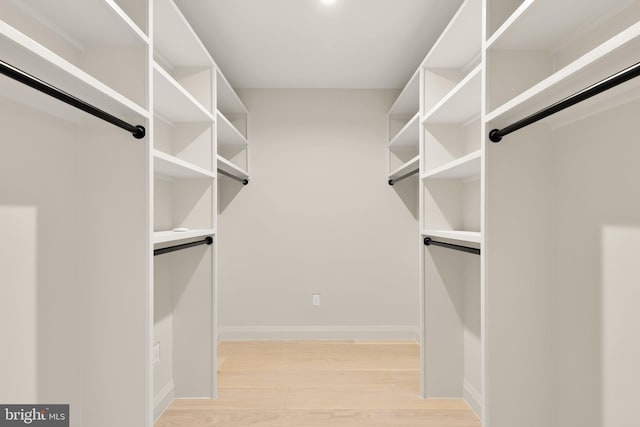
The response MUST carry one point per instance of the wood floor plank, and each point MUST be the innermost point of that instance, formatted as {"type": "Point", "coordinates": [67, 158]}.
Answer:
{"type": "Point", "coordinates": [318, 384]}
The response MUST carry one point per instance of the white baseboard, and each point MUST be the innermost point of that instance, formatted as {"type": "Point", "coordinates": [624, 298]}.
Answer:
{"type": "Point", "coordinates": [337, 333]}
{"type": "Point", "coordinates": [163, 399]}
{"type": "Point", "coordinates": [473, 398]}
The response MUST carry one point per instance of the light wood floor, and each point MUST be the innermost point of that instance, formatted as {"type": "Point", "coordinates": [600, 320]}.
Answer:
{"type": "Point", "coordinates": [313, 384]}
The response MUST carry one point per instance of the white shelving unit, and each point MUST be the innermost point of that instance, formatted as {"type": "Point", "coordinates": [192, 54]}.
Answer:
{"type": "Point", "coordinates": [404, 131]}
{"type": "Point", "coordinates": [184, 197]}
{"type": "Point", "coordinates": [233, 148]}
{"type": "Point", "coordinates": [451, 200]}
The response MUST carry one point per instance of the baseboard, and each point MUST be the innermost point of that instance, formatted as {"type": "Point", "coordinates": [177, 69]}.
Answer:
{"type": "Point", "coordinates": [163, 399]}
{"type": "Point", "coordinates": [473, 398]}
{"type": "Point", "coordinates": [277, 333]}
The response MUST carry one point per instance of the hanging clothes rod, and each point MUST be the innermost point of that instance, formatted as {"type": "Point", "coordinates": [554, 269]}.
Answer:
{"type": "Point", "coordinates": [428, 241]}
{"type": "Point", "coordinates": [400, 178]}
{"type": "Point", "coordinates": [9, 70]}
{"type": "Point", "coordinates": [207, 241]}
{"type": "Point", "coordinates": [612, 81]}
{"type": "Point", "coordinates": [244, 181]}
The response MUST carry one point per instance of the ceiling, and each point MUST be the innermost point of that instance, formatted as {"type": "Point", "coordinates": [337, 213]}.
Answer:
{"type": "Point", "coordinates": [317, 44]}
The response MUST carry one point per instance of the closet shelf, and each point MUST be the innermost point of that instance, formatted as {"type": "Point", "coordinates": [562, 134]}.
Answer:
{"type": "Point", "coordinates": [31, 57]}
{"type": "Point", "coordinates": [409, 135]}
{"type": "Point", "coordinates": [461, 41]}
{"type": "Point", "coordinates": [179, 47]}
{"type": "Point", "coordinates": [529, 27]}
{"type": "Point", "coordinates": [82, 27]}
{"type": "Point", "coordinates": [229, 102]}
{"type": "Point", "coordinates": [228, 134]}
{"type": "Point", "coordinates": [167, 165]}
{"type": "Point", "coordinates": [409, 166]}
{"type": "Point", "coordinates": [459, 235]}
{"type": "Point", "coordinates": [465, 167]}
{"type": "Point", "coordinates": [408, 102]}
{"type": "Point", "coordinates": [617, 53]}
{"type": "Point", "coordinates": [231, 168]}
{"type": "Point", "coordinates": [174, 236]}
{"type": "Point", "coordinates": [461, 104]}
{"type": "Point", "coordinates": [173, 102]}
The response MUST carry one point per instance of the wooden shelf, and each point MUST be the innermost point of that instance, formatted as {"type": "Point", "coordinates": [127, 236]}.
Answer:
{"type": "Point", "coordinates": [33, 58]}
{"type": "Point", "coordinates": [408, 102]}
{"type": "Point", "coordinates": [167, 165]}
{"type": "Point", "coordinates": [174, 40]}
{"type": "Point", "coordinates": [461, 41]}
{"type": "Point", "coordinates": [228, 135]}
{"type": "Point", "coordinates": [174, 236]}
{"type": "Point", "coordinates": [462, 236]}
{"type": "Point", "coordinates": [531, 28]}
{"type": "Point", "coordinates": [608, 58]}
{"type": "Point", "coordinates": [86, 23]}
{"type": "Point", "coordinates": [173, 102]}
{"type": "Point", "coordinates": [229, 102]}
{"type": "Point", "coordinates": [231, 168]}
{"type": "Point", "coordinates": [409, 135]}
{"type": "Point", "coordinates": [464, 167]}
{"type": "Point", "coordinates": [461, 104]}
{"type": "Point", "coordinates": [409, 166]}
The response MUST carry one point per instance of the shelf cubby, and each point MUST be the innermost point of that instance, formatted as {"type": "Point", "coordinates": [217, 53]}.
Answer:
{"type": "Point", "coordinates": [189, 142]}
{"type": "Point", "coordinates": [452, 203]}
{"type": "Point", "coordinates": [461, 104]}
{"type": "Point", "coordinates": [465, 167]}
{"type": "Point", "coordinates": [232, 168]}
{"type": "Point", "coordinates": [228, 101]}
{"type": "Point", "coordinates": [173, 167]}
{"type": "Point", "coordinates": [591, 31]}
{"type": "Point", "coordinates": [183, 202]}
{"type": "Point", "coordinates": [173, 102]}
{"type": "Point", "coordinates": [96, 47]}
{"type": "Point", "coordinates": [405, 108]}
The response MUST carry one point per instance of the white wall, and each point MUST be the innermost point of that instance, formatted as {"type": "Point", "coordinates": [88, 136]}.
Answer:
{"type": "Point", "coordinates": [318, 217]}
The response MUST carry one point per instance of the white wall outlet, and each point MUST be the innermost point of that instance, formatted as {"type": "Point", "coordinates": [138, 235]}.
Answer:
{"type": "Point", "coordinates": [315, 299]}
{"type": "Point", "coordinates": [156, 353]}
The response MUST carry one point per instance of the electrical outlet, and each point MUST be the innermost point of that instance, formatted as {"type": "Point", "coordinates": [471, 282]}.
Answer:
{"type": "Point", "coordinates": [156, 353]}
{"type": "Point", "coordinates": [316, 299]}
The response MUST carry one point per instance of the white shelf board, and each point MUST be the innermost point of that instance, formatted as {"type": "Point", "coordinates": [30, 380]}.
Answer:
{"type": "Point", "coordinates": [531, 28]}
{"type": "Point", "coordinates": [461, 104]}
{"type": "Point", "coordinates": [409, 135]}
{"type": "Point", "coordinates": [231, 168]}
{"type": "Point", "coordinates": [408, 102]}
{"type": "Point", "coordinates": [606, 59]}
{"type": "Point", "coordinates": [227, 99]}
{"type": "Point", "coordinates": [174, 40]}
{"type": "Point", "coordinates": [168, 165]}
{"type": "Point", "coordinates": [463, 236]}
{"type": "Point", "coordinates": [409, 166]}
{"type": "Point", "coordinates": [33, 58]}
{"type": "Point", "coordinates": [461, 41]}
{"type": "Point", "coordinates": [228, 135]}
{"type": "Point", "coordinates": [465, 167]}
{"type": "Point", "coordinates": [173, 236]}
{"type": "Point", "coordinates": [173, 102]}
{"type": "Point", "coordinates": [86, 23]}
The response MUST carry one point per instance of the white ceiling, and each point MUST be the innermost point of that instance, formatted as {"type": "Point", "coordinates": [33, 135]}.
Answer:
{"type": "Point", "coordinates": [310, 44]}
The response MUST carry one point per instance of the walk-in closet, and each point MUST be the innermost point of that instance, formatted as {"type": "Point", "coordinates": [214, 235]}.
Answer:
{"type": "Point", "coordinates": [332, 213]}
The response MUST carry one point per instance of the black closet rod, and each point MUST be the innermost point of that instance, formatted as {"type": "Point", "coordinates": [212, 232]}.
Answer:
{"type": "Point", "coordinates": [614, 80]}
{"type": "Point", "coordinates": [428, 241]}
{"type": "Point", "coordinates": [34, 82]}
{"type": "Point", "coordinates": [400, 178]}
{"type": "Point", "coordinates": [207, 241]}
{"type": "Point", "coordinates": [244, 181]}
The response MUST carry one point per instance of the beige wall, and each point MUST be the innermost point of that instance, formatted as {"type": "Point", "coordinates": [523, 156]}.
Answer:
{"type": "Point", "coordinates": [318, 217]}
